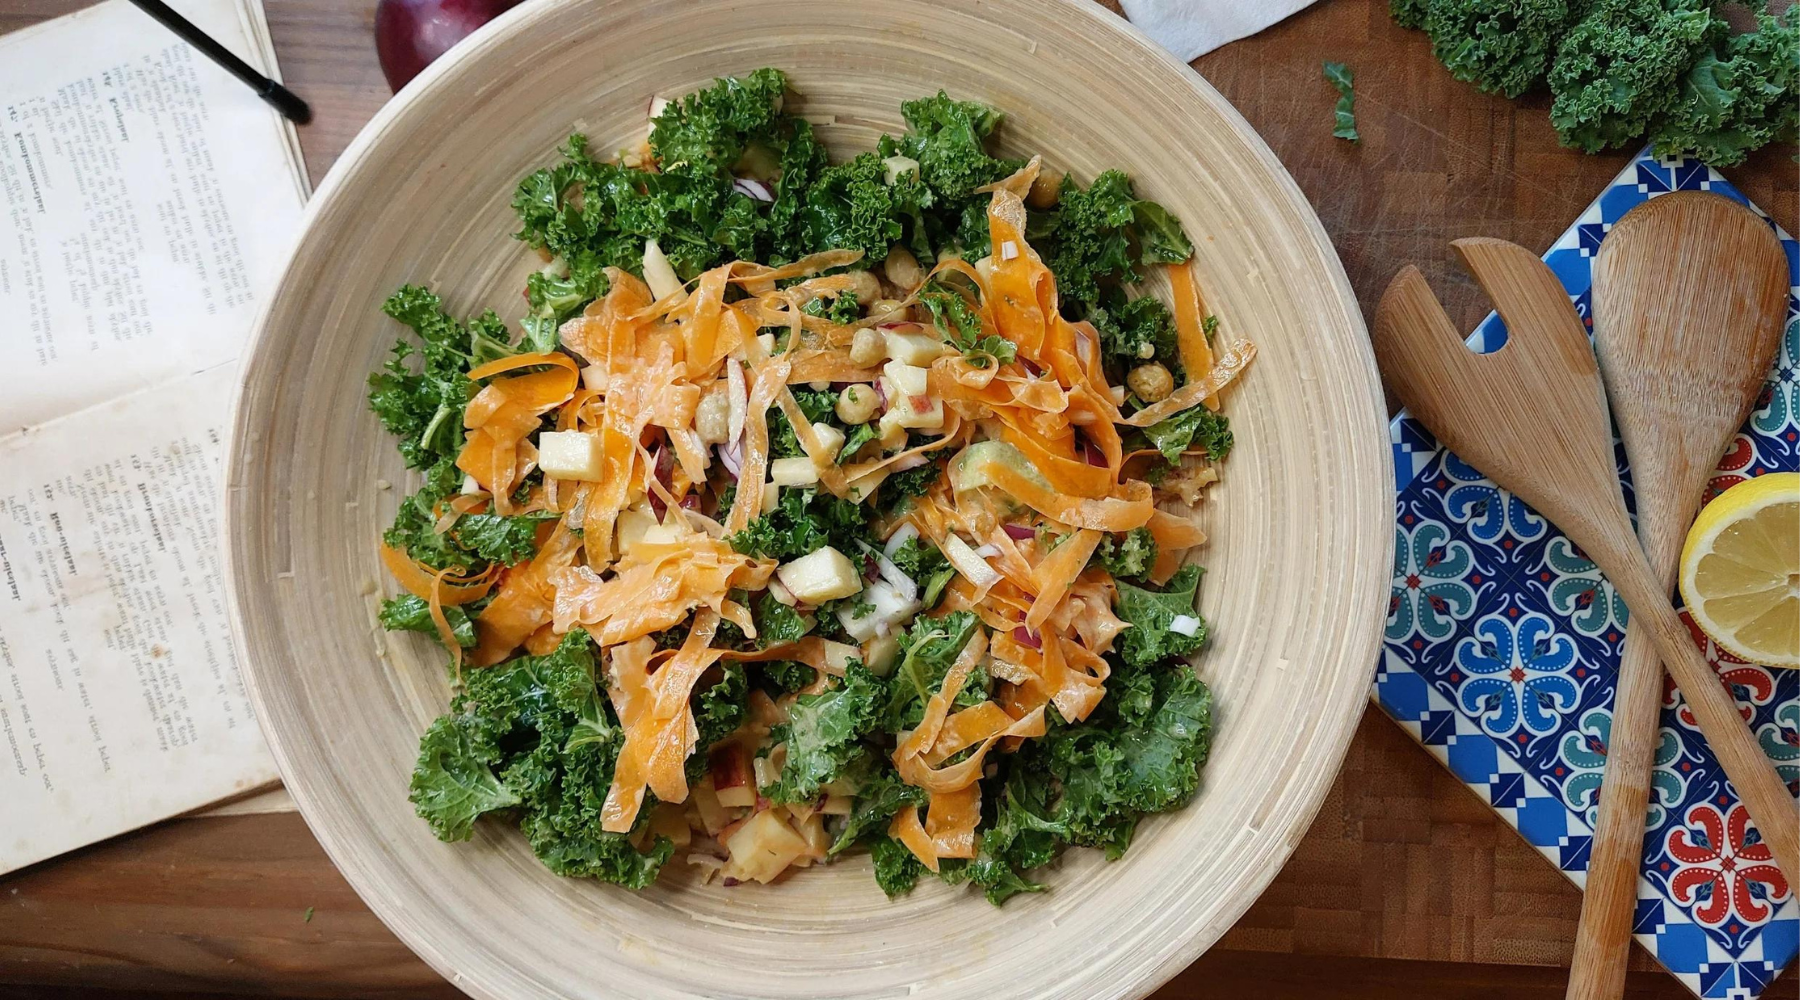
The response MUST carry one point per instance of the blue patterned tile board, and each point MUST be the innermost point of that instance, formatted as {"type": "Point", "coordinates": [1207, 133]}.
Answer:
{"type": "Point", "coordinates": [1502, 654]}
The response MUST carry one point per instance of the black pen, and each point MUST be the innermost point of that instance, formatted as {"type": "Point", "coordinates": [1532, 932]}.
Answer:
{"type": "Point", "coordinates": [283, 99]}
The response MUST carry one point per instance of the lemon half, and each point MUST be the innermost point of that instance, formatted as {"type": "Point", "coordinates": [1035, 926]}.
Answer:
{"type": "Point", "coordinates": [1740, 570]}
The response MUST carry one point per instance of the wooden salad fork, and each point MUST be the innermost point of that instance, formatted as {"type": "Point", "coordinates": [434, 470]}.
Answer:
{"type": "Point", "coordinates": [1532, 416]}
{"type": "Point", "coordinates": [1690, 291]}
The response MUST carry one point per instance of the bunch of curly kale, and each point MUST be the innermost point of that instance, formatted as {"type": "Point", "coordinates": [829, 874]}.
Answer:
{"type": "Point", "coordinates": [1671, 71]}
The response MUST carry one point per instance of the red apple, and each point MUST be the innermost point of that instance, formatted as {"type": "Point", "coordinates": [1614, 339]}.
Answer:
{"type": "Point", "coordinates": [409, 34]}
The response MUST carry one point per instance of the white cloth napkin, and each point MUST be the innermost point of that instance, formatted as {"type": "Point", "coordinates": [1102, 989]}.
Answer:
{"type": "Point", "coordinates": [1190, 28]}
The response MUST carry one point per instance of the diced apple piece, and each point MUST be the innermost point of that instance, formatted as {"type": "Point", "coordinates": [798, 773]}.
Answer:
{"type": "Point", "coordinates": [890, 607]}
{"type": "Point", "coordinates": [771, 496]}
{"type": "Point", "coordinates": [864, 486]}
{"type": "Point", "coordinates": [570, 455]}
{"type": "Point", "coordinates": [830, 437]}
{"type": "Point", "coordinates": [812, 831]}
{"type": "Point", "coordinates": [838, 805]}
{"type": "Point", "coordinates": [659, 534]}
{"type": "Point", "coordinates": [762, 847]}
{"type": "Point", "coordinates": [819, 576]}
{"type": "Point", "coordinates": [796, 471]}
{"type": "Point", "coordinates": [839, 654]}
{"type": "Point", "coordinates": [767, 341]}
{"type": "Point", "coordinates": [895, 167]}
{"type": "Point", "coordinates": [659, 274]}
{"type": "Point", "coordinates": [907, 380]}
{"type": "Point", "coordinates": [881, 653]}
{"type": "Point", "coordinates": [923, 413]}
{"type": "Point", "coordinates": [915, 349]}
{"type": "Point", "coordinates": [732, 778]}
{"type": "Point", "coordinates": [631, 527]}
{"type": "Point", "coordinates": [713, 817]}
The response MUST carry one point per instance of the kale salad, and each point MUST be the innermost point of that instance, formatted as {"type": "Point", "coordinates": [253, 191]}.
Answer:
{"type": "Point", "coordinates": [813, 506]}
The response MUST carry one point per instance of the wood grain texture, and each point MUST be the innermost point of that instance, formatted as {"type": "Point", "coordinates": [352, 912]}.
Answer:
{"type": "Point", "coordinates": [423, 195]}
{"type": "Point", "coordinates": [1690, 295]}
{"type": "Point", "coordinates": [1405, 881]}
{"type": "Point", "coordinates": [1532, 416]}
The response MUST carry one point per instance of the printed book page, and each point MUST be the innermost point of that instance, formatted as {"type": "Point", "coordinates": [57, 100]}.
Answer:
{"type": "Point", "coordinates": [120, 699]}
{"type": "Point", "coordinates": [146, 195]}
{"type": "Point", "coordinates": [147, 200]}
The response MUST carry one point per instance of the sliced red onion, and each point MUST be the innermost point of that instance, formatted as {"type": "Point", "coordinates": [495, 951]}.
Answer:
{"type": "Point", "coordinates": [729, 882]}
{"type": "Point", "coordinates": [903, 534]}
{"type": "Point", "coordinates": [1020, 532]}
{"type": "Point", "coordinates": [910, 462]}
{"type": "Point", "coordinates": [752, 188]}
{"type": "Point", "coordinates": [988, 551]}
{"type": "Point", "coordinates": [690, 502]}
{"type": "Point", "coordinates": [1026, 637]}
{"type": "Point", "coordinates": [1032, 367]}
{"type": "Point", "coordinates": [1091, 452]}
{"type": "Point", "coordinates": [732, 457]}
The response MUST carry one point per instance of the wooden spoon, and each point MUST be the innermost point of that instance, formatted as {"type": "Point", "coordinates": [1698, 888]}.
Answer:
{"type": "Point", "coordinates": [1532, 416]}
{"type": "Point", "coordinates": [1690, 291]}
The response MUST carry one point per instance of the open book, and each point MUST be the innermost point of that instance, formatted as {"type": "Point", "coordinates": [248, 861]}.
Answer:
{"type": "Point", "coordinates": [147, 200]}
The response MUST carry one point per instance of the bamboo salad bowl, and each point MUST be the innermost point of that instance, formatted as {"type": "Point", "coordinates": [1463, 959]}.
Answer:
{"type": "Point", "coordinates": [1298, 562]}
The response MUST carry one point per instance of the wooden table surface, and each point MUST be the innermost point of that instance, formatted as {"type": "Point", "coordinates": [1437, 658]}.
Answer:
{"type": "Point", "coordinates": [1406, 883]}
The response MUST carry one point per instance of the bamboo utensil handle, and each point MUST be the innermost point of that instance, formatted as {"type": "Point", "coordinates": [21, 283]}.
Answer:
{"type": "Point", "coordinates": [1603, 937]}
{"type": "Point", "coordinates": [1690, 292]}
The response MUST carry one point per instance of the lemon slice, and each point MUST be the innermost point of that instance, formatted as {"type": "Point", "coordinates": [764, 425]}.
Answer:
{"type": "Point", "coordinates": [1740, 570]}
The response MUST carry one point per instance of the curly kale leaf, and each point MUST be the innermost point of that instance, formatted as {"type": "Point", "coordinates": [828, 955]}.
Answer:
{"type": "Point", "coordinates": [1620, 68]}
{"type": "Point", "coordinates": [824, 734]}
{"type": "Point", "coordinates": [454, 781]}
{"type": "Point", "coordinates": [504, 539]}
{"type": "Point", "coordinates": [414, 530]}
{"type": "Point", "coordinates": [1143, 756]}
{"type": "Point", "coordinates": [841, 308]}
{"type": "Point", "coordinates": [553, 299]}
{"type": "Point", "coordinates": [535, 735]}
{"type": "Point", "coordinates": [1149, 640]}
{"type": "Point", "coordinates": [1738, 99]}
{"type": "Point", "coordinates": [1135, 332]}
{"type": "Point", "coordinates": [410, 613]}
{"type": "Point", "coordinates": [776, 623]}
{"type": "Point", "coordinates": [788, 675]}
{"type": "Point", "coordinates": [424, 408]}
{"type": "Point", "coordinates": [857, 206]}
{"type": "Point", "coordinates": [1344, 80]}
{"type": "Point", "coordinates": [928, 567]}
{"type": "Point", "coordinates": [1501, 46]}
{"type": "Point", "coordinates": [879, 795]}
{"type": "Point", "coordinates": [897, 490]}
{"type": "Point", "coordinates": [928, 648]}
{"type": "Point", "coordinates": [1128, 556]}
{"type": "Point", "coordinates": [947, 138]}
{"type": "Point", "coordinates": [959, 321]}
{"type": "Point", "coordinates": [817, 406]}
{"type": "Point", "coordinates": [710, 130]}
{"type": "Point", "coordinates": [802, 521]}
{"type": "Point", "coordinates": [1195, 427]}
{"type": "Point", "coordinates": [1098, 237]}
{"type": "Point", "coordinates": [897, 871]}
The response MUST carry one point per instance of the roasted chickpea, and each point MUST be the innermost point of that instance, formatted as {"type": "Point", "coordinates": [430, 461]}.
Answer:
{"type": "Point", "coordinates": [856, 404]}
{"type": "Point", "coordinates": [1151, 383]}
{"type": "Point", "coordinates": [868, 348]}
{"type": "Point", "coordinates": [1046, 189]}
{"type": "Point", "coordinates": [902, 269]}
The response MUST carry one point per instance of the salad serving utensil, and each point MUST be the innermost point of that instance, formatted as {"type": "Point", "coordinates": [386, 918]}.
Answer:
{"type": "Point", "coordinates": [1532, 416]}
{"type": "Point", "coordinates": [1690, 290]}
